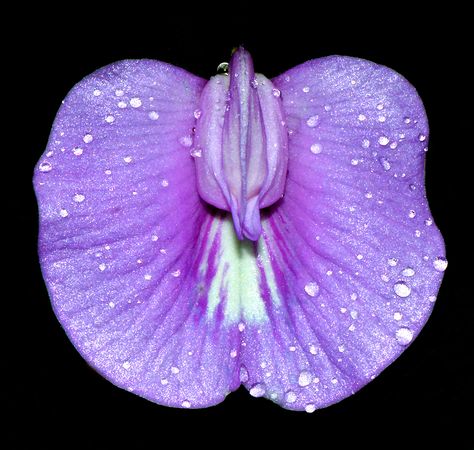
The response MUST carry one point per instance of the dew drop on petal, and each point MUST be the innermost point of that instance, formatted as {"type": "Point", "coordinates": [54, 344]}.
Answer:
{"type": "Point", "coordinates": [276, 92]}
{"type": "Point", "coordinates": [196, 152]}
{"type": "Point", "coordinates": [78, 151]}
{"type": "Point", "coordinates": [412, 214]}
{"type": "Point", "coordinates": [305, 89]}
{"type": "Point", "coordinates": [257, 390]}
{"type": "Point", "coordinates": [97, 92]}
{"type": "Point", "coordinates": [404, 336]}
{"type": "Point", "coordinates": [383, 140]}
{"type": "Point", "coordinates": [102, 267]}
{"type": "Point", "coordinates": [305, 378]}
{"type": "Point", "coordinates": [186, 141]}
{"type": "Point", "coordinates": [197, 113]}
{"type": "Point", "coordinates": [313, 349]}
{"type": "Point", "coordinates": [88, 138]}
{"type": "Point", "coordinates": [121, 104]}
{"type": "Point", "coordinates": [408, 272]}
{"type": "Point", "coordinates": [313, 121]}
{"type": "Point", "coordinates": [109, 119]}
{"type": "Point", "coordinates": [186, 404]}
{"type": "Point", "coordinates": [310, 408]}
{"type": "Point", "coordinates": [119, 92]}
{"type": "Point", "coordinates": [126, 365]}
{"type": "Point", "coordinates": [63, 213]}
{"type": "Point", "coordinates": [127, 159]}
{"type": "Point", "coordinates": [397, 316]}
{"type": "Point", "coordinates": [79, 198]}
{"type": "Point", "coordinates": [361, 117]}
{"type": "Point", "coordinates": [135, 102]}
{"type": "Point", "coordinates": [365, 143]}
{"type": "Point", "coordinates": [176, 273]}
{"type": "Point", "coordinates": [311, 289]}
{"type": "Point", "coordinates": [290, 397]}
{"type": "Point", "coordinates": [432, 298]}
{"type": "Point", "coordinates": [429, 222]}
{"type": "Point", "coordinates": [421, 137]}
{"type": "Point", "coordinates": [401, 289]}
{"type": "Point", "coordinates": [241, 326]}
{"type": "Point", "coordinates": [385, 164]}
{"type": "Point", "coordinates": [243, 374]}
{"type": "Point", "coordinates": [153, 115]}
{"type": "Point", "coordinates": [392, 262]}
{"type": "Point", "coordinates": [440, 264]}
{"type": "Point", "coordinates": [45, 167]}
{"type": "Point", "coordinates": [147, 277]}
{"type": "Point", "coordinates": [175, 370]}
{"type": "Point", "coordinates": [316, 148]}
{"type": "Point", "coordinates": [233, 353]}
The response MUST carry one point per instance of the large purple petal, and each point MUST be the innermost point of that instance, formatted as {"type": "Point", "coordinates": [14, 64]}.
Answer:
{"type": "Point", "coordinates": [122, 231]}
{"type": "Point", "coordinates": [354, 256]}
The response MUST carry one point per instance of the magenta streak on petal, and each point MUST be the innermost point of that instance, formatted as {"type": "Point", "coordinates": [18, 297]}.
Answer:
{"type": "Point", "coordinates": [242, 141]}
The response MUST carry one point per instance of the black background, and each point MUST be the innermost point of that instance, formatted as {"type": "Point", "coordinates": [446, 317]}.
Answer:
{"type": "Point", "coordinates": [425, 396]}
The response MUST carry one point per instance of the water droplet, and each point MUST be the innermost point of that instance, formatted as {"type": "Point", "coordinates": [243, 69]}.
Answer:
{"type": "Point", "coordinates": [164, 381]}
{"type": "Point", "coordinates": [313, 349]}
{"type": "Point", "coordinates": [393, 145]}
{"type": "Point", "coordinates": [401, 289]}
{"type": "Point", "coordinates": [365, 143]}
{"type": "Point", "coordinates": [174, 370]}
{"type": "Point", "coordinates": [109, 119]}
{"type": "Point", "coordinates": [147, 277]}
{"type": "Point", "coordinates": [108, 172]}
{"type": "Point", "coordinates": [153, 115]}
{"type": "Point", "coordinates": [50, 154]}
{"type": "Point", "coordinates": [186, 141]}
{"type": "Point", "coordinates": [196, 152]}
{"type": "Point", "coordinates": [176, 273]}
{"type": "Point", "coordinates": [97, 92]}
{"type": "Point", "coordinates": [432, 298]}
{"type": "Point", "coordinates": [361, 117]}
{"type": "Point", "coordinates": [392, 262]}
{"type": "Point", "coordinates": [440, 264]}
{"type": "Point", "coordinates": [397, 316]}
{"type": "Point", "coordinates": [243, 374]}
{"type": "Point", "coordinates": [126, 365]}
{"type": "Point", "coordinates": [359, 257]}
{"type": "Point", "coordinates": [383, 140]}
{"type": "Point", "coordinates": [119, 92]}
{"type": "Point", "coordinates": [407, 120]}
{"type": "Point", "coordinates": [353, 296]}
{"type": "Point", "coordinates": [305, 378]}
{"type": "Point", "coordinates": [233, 353]}
{"type": "Point", "coordinates": [305, 89]}
{"type": "Point", "coordinates": [165, 183]}
{"type": "Point", "coordinates": [45, 167]}
{"type": "Point", "coordinates": [316, 148]}
{"type": "Point", "coordinates": [154, 237]}
{"type": "Point", "coordinates": [121, 104]}
{"type": "Point", "coordinates": [384, 277]}
{"type": "Point", "coordinates": [63, 213]}
{"type": "Point", "coordinates": [352, 327]}
{"type": "Point", "coordinates": [327, 108]}
{"type": "Point", "coordinates": [311, 288]}
{"type": "Point", "coordinates": [223, 68]}
{"type": "Point", "coordinates": [412, 214]}
{"type": "Point", "coordinates": [186, 404]}
{"type": "Point", "coordinates": [135, 102]}
{"type": "Point", "coordinates": [380, 106]}
{"type": "Point", "coordinates": [310, 408]}
{"type": "Point", "coordinates": [77, 151]}
{"type": "Point", "coordinates": [334, 380]}
{"type": "Point", "coordinates": [79, 198]}
{"type": "Point", "coordinates": [404, 336]}
{"type": "Point", "coordinates": [290, 397]}
{"type": "Point", "coordinates": [354, 314]}
{"type": "Point", "coordinates": [341, 348]}
{"type": "Point", "coordinates": [313, 121]}
{"type": "Point", "coordinates": [343, 310]}
{"type": "Point", "coordinates": [385, 164]}
{"type": "Point", "coordinates": [88, 138]}
{"type": "Point", "coordinates": [257, 390]}
{"type": "Point", "coordinates": [127, 159]}
{"type": "Point", "coordinates": [102, 267]}
{"type": "Point", "coordinates": [408, 272]}
{"type": "Point", "coordinates": [241, 326]}
{"type": "Point", "coordinates": [354, 162]}
{"type": "Point", "coordinates": [422, 137]}
{"type": "Point", "coordinates": [292, 348]}
{"type": "Point", "coordinates": [429, 222]}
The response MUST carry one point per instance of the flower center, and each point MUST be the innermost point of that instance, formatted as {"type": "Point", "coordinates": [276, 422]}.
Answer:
{"type": "Point", "coordinates": [242, 144]}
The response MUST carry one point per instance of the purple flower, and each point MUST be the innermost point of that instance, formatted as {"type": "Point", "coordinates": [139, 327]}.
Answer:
{"type": "Point", "coordinates": [198, 235]}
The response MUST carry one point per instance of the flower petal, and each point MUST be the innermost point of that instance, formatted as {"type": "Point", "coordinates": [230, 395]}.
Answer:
{"type": "Point", "coordinates": [355, 258]}
{"type": "Point", "coordinates": [122, 227]}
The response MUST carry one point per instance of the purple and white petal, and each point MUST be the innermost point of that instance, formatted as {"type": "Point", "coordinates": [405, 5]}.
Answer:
{"type": "Point", "coordinates": [122, 229]}
{"type": "Point", "coordinates": [351, 258]}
